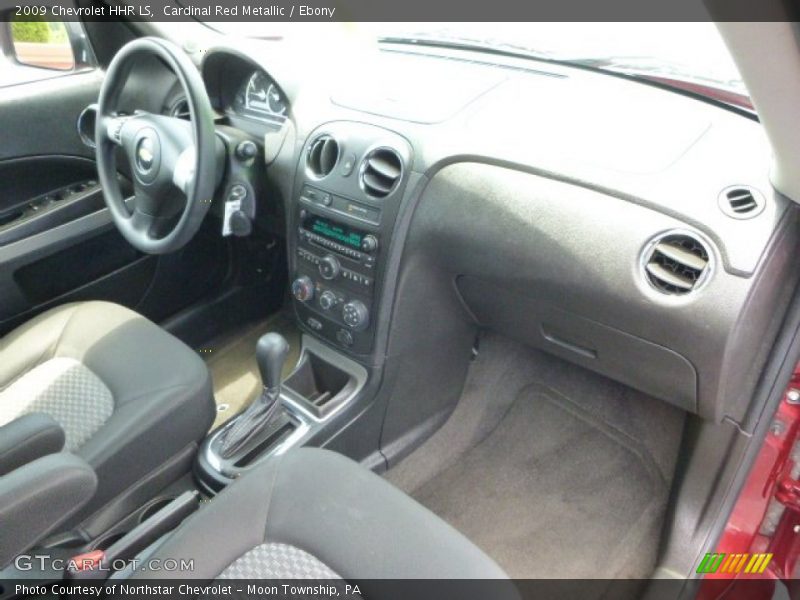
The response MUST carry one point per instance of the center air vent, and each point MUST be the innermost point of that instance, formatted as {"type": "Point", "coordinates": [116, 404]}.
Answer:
{"type": "Point", "coordinates": [676, 263]}
{"type": "Point", "coordinates": [381, 172]}
{"type": "Point", "coordinates": [741, 202]}
{"type": "Point", "coordinates": [322, 156]}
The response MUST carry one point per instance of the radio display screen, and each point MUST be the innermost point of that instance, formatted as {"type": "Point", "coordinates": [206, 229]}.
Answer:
{"type": "Point", "coordinates": [334, 231]}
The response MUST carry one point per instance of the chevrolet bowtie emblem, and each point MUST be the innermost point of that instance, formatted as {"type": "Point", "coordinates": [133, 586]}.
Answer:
{"type": "Point", "coordinates": [145, 155]}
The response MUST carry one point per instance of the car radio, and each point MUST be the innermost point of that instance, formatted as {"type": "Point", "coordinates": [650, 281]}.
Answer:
{"type": "Point", "coordinates": [335, 275]}
{"type": "Point", "coordinates": [337, 237]}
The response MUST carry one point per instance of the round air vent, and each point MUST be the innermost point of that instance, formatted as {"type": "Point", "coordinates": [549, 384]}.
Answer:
{"type": "Point", "coordinates": [323, 154]}
{"type": "Point", "coordinates": [676, 263]}
{"type": "Point", "coordinates": [380, 172]}
{"type": "Point", "coordinates": [180, 109]}
{"type": "Point", "coordinates": [741, 202]}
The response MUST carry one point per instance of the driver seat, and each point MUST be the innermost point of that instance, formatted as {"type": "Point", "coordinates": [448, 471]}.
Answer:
{"type": "Point", "coordinates": [132, 399]}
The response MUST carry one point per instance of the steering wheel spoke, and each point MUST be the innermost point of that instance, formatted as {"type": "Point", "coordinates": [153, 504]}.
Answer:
{"type": "Point", "coordinates": [183, 171]}
{"type": "Point", "coordinates": [144, 202]}
{"type": "Point", "coordinates": [152, 227]}
{"type": "Point", "coordinates": [142, 222]}
{"type": "Point", "coordinates": [112, 127]}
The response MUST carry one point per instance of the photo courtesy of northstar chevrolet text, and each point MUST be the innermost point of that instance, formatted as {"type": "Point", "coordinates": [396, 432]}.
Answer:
{"type": "Point", "coordinates": [399, 300]}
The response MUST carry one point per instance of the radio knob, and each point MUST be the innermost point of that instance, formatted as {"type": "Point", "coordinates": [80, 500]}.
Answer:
{"type": "Point", "coordinates": [328, 300]}
{"type": "Point", "coordinates": [329, 267]}
{"type": "Point", "coordinates": [369, 243]}
{"type": "Point", "coordinates": [303, 289]}
{"type": "Point", "coordinates": [355, 315]}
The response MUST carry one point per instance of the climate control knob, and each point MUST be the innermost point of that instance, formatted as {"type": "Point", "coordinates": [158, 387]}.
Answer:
{"type": "Point", "coordinates": [329, 267]}
{"type": "Point", "coordinates": [303, 289]}
{"type": "Point", "coordinates": [355, 315]}
{"type": "Point", "coordinates": [328, 300]}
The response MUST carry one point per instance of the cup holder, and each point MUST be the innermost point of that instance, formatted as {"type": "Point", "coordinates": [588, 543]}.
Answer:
{"type": "Point", "coordinates": [321, 385]}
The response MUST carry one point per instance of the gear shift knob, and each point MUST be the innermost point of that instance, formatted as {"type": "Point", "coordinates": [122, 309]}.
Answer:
{"type": "Point", "coordinates": [271, 352]}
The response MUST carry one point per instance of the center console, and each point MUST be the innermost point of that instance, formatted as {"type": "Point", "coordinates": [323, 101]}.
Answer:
{"type": "Point", "coordinates": [321, 385]}
{"type": "Point", "coordinates": [348, 191]}
{"type": "Point", "coordinates": [350, 182]}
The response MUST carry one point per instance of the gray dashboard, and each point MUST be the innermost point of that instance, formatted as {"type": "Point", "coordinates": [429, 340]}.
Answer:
{"type": "Point", "coordinates": [534, 201]}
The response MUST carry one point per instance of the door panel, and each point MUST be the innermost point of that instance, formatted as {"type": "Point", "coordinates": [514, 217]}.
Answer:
{"type": "Point", "coordinates": [40, 118]}
{"type": "Point", "coordinates": [57, 240]}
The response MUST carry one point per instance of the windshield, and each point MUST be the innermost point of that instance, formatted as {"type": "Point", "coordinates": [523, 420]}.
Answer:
{"type": "Point", "coordinates": [691, 56]}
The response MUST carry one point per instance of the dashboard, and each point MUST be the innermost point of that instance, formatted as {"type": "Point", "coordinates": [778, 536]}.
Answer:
{"type": "Point", "coordinates": [622, 227]}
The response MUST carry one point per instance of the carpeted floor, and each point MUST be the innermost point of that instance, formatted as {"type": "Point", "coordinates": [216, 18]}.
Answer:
{"type": "Point", "coordinates": [232, 362]}
{"type": "Point", "coordinates": [552, 470]}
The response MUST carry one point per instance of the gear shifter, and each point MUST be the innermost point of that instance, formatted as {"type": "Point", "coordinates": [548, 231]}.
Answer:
{"type": "Point", "coordinates": [271, 352]}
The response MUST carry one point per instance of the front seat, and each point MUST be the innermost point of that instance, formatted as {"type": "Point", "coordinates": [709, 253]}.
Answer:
{"type": "Point", "coordinates": [314, 514]}
{"type": "Point", "coordinates": [132, 399]}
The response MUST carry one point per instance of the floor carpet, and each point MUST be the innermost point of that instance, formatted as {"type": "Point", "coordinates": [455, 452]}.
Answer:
{"type": "Point", "coordinates": [552, 470]}
{"type": "Point", "coordinates": [232, 362]}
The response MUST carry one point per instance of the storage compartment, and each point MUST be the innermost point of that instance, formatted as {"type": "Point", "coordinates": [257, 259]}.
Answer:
{"type": "Point", "coordinates": [75, 266]}
{"type": "Point", "coordinates": [319, 384]}
{"type": "Point", "coordinates": [603, 349]}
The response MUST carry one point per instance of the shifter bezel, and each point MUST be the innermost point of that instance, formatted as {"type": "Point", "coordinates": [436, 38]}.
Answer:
{"type": "Point", "coordinates": [306, 420]}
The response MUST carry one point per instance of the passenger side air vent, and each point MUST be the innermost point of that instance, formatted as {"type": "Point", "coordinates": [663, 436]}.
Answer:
{"type": "Point", "coordinates": [323, 154]}
{"type": "Point", "coordinates": [676, 263]}
{"type": "Point", "coordinates": [381, 172]}
{"type": "Point", "coordinates": [741, 202]}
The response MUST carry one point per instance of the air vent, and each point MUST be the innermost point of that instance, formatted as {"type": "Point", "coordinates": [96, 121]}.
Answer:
{"type": "Point", "coordinates": [381, 172]}
{"type": "Point", "coordinates": [676, 263]}
{"type": "Point", "coordinates": [741, 202]}
{"type": "Point", "coordinates": [322, 156]}
{"type": "Point", "coordinates": [180, 109]}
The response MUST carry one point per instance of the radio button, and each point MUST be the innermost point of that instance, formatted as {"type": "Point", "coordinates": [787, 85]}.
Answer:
{"type": "Point", "coordinates": [369, 243]}
{"type": "Point", "coordinates": [348, 164]}
{"type": "Point", "coordinates": [344, 337]}
{"type": "Point", "coordinates": [329, 267]}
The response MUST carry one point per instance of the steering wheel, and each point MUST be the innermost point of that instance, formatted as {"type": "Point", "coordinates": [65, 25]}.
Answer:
{"type": "Point", "coordinates": [173, 162]}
